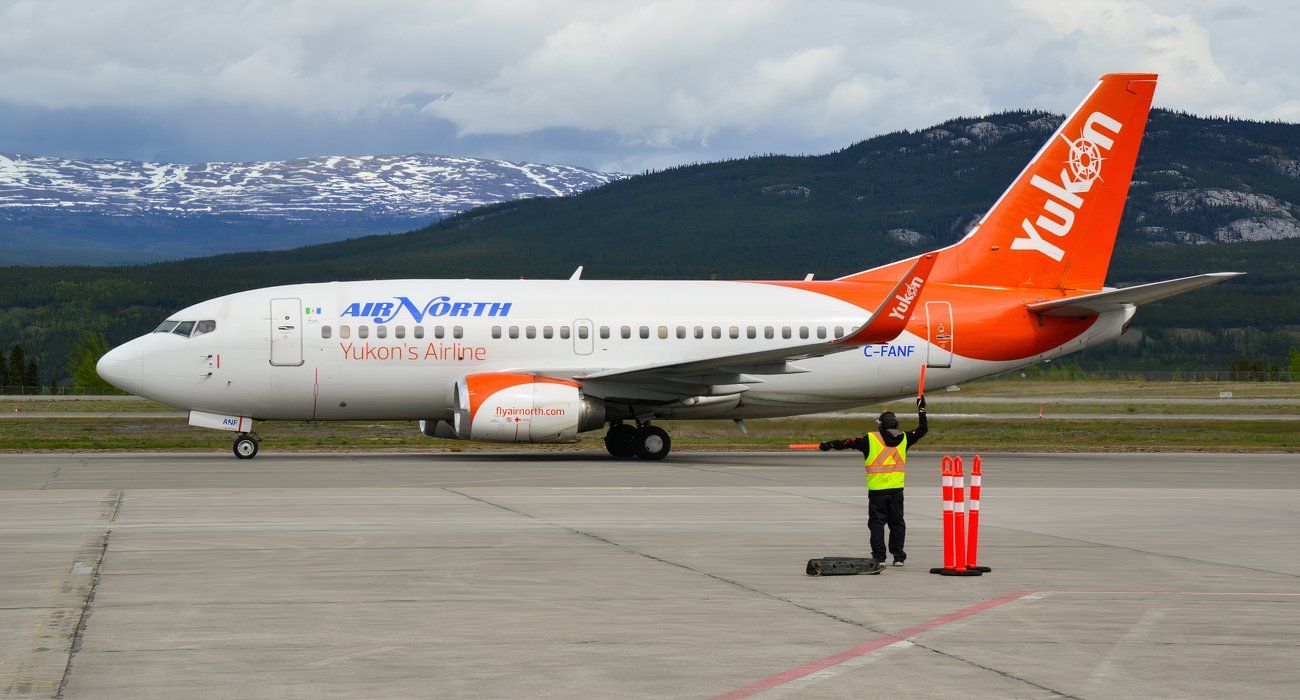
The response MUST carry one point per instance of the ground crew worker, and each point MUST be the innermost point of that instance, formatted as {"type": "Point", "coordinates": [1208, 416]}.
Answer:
{"type": "Point", "coordinates": [885, 451]}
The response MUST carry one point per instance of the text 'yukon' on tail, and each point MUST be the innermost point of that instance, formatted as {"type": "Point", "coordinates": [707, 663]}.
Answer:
{"type": "Point", "coordinates": [1055, 226]}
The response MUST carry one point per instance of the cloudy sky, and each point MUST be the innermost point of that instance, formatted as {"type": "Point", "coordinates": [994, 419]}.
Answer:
{"type": "Point", "coordinates": [603, 84]}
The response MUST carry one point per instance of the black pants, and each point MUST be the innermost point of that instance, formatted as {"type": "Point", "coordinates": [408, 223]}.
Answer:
{"type": "Point", "coordinates": [885, 507]}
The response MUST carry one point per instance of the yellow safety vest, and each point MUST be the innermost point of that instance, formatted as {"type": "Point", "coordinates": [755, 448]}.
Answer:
{"type": "Point", "coordinates": [886, 466]}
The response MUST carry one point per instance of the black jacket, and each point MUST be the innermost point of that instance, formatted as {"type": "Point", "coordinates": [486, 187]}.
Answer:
{"type": "Point", "coordinates": [891, 437]}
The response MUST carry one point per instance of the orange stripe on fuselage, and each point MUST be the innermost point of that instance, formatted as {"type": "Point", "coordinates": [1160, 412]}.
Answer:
{"type": "Point", "coordinates": [988, 324]}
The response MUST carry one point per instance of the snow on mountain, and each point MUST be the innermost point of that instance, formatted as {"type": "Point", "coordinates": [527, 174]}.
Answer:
{"type": "Point", "coordinates": [305, 189]}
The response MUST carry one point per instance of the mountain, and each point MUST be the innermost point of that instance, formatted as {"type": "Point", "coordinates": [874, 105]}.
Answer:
{"type": "Point", "coordinates": [56, 210]}
{"type": "Point", "coordinates": [1206, 192]}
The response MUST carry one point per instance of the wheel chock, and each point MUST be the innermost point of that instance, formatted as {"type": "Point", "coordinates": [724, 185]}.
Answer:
{"type": "Point", "coordinates": [843, 566]}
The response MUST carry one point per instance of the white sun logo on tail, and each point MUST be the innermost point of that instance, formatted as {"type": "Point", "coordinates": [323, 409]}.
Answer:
{"type": "Point", "coordinates": [1085, 159]}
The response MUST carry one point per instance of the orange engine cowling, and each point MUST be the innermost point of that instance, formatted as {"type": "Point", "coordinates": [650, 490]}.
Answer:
{"type": "Point", "coordinates": [509, 407]}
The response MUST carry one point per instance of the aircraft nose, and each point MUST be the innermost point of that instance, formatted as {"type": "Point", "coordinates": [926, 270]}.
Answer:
{"type": "Point", "coordinates": [123, 367]}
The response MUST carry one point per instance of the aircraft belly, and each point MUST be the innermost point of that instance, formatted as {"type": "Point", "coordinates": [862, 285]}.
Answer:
{"type": "Point", "coordinates": [382, 393]}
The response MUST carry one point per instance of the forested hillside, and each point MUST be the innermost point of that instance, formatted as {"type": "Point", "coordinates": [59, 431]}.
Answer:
{"type": "Point", "coordinates": [1209, 195]}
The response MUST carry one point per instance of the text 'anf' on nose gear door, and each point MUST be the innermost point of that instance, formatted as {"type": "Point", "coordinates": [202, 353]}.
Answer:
{"type": "Point", "coordinates": [286, 332]}
{"type": "Point", "coordinates": [939, 332]}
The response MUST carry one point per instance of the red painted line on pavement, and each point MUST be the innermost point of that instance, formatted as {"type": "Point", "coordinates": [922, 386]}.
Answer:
{"type": "Point", "coordinates": [1249, 593]}
{"type": "Point", "coordinates": [863, 649]}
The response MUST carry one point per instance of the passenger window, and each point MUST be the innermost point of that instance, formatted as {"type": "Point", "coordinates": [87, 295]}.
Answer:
{"type": "Point", "coordinates": [514, 332]}
{"type": "Point", "coordinates": [439, 331]}
{"type": "Point", "coordinates": [530, 332]}
{"type": "Point", "coordinates": [205, 327]}
{"type": "Point", "coordinates": [400, 331]}
{"type": "Point", "coordinates": [839, 332]}
{"type": "Point", "coordinates": [325, 331]}
{"type": "Point", "coordinates": [803, 332]}
{"type": "Point", "coordinates": [751, 332]}
{"type": "Point", "coordinates": [734, 332]}
{"type": "Point", "coordinates": [626, 332]}
{"type": "Point", "coordinates": [717, 332]}
{"type": "Point", "coordinates": [166, 327]}
{"type": "Point", "coordinates": [769, 332]}
{"type": "Point", "coordinates": [419, 331]}
{"type": "Point", "coordinates": [821, 332]}
{"type": "Point", "coordinates": [381, 331]}
{"type": "Point", "coordinates": [604, 332]}
{"type": "Point", "coordinates": [681, 332]}
{"type": "Point", "coordinates": [785, 332]}
{"type": "Point", "coordinates": [584, 332]}
{"type": "Point", "coordinates": [548, 332]}
{"type": "Point", "coordinates": [564, 332]}
{"type": "Point", "coordinates": [644, 332]}
{"type": "Point", "coordinates": [184, 328]}
{"type": "Point", "coordinates": [458, 332]}
{"type": "Point", "coordinates": [496, 331]}
{"type": "Point", "coordinates": [699, 332]}
{"type": "Point", "coordinates": [363, 331]}
{"type": "Point", "coordinates": [345, 332]}
{"type": "Point", "coordinates": [663, 332]}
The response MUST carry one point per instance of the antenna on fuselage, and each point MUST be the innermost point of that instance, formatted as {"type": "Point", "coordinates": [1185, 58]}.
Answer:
{"type": "Point", "coordinates": [808, 277]}
{"type": "Point", "coordinates": [577, 274]}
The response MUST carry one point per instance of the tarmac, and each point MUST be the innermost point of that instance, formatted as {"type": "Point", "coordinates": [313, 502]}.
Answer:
{"type": "Point", "coordinates": [497, 574]}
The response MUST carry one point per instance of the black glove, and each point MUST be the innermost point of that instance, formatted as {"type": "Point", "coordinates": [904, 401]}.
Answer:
{"type": "Point", "coordinates": [920, 404]}
{"type": "Point", "coordinates": [824, 446]}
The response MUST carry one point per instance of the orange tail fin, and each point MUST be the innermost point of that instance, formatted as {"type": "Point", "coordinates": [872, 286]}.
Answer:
{"type": "Point", "coordinates": [1055, 226]}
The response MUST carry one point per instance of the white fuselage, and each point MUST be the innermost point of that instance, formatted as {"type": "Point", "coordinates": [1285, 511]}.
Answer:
{"type": "Point", "coordinates": [394, 349]}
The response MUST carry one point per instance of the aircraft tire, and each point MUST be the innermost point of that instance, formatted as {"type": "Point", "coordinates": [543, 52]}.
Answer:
{"type": "Point", "coordinates": [245, 447]}
{"type": "Point", "coordinates": [619, 441]}
{"type": "Point", "coordinates": [652, 442]}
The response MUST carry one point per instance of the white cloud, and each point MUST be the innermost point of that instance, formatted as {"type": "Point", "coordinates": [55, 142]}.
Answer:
{"type": "Point", "coordinates": [658, 81]}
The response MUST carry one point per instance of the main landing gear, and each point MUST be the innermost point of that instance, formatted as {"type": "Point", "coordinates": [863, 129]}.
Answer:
{"type": "Point", "coordinates": [644, 441]}
{"type": "Point", "coordinates": [246, 445]}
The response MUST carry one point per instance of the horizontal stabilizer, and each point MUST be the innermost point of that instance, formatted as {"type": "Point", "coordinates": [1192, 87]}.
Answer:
{"type": "Point", "coordinates": [1116, 299]}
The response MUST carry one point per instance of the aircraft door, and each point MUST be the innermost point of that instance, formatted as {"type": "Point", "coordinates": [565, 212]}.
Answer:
{"type": "Point", "coordinates": [286, 332]}
{"type": "Point", "coordinates": [583, 342]}
{"type": "Point", "coordinates": [939, 329]}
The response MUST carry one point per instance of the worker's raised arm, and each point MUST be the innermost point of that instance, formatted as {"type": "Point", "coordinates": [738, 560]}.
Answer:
{"type": "Point", "coordinates": [922, 427]}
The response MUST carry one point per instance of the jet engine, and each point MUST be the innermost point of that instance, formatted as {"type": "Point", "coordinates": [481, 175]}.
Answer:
{"type": "Point", "coordinates": [509, 407]}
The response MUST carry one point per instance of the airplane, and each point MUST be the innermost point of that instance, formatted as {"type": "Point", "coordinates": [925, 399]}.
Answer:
{"type": "Point", "coordinates": [541, 361]}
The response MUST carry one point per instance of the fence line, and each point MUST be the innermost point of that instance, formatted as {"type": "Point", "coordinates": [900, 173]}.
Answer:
{"type": "Point", "coordinates": [1073, 374]}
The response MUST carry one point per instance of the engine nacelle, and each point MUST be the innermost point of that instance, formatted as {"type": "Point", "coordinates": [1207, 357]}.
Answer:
{"type": "Point", "coordinates": [509, 407]}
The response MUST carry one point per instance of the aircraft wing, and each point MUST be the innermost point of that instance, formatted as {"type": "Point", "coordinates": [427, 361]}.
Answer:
{"type": "Point", "coordinates": [1116, 299]}
{"type": "Point", "coordinates": [886, 324]}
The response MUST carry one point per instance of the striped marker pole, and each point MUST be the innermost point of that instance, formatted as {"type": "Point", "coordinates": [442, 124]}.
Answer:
{"type": "Point", "coordinates": [959, 514]}
{"type": "Point", "coordinates": [949, 556]}
{"type": "Point", "coordinates": [973, 538]}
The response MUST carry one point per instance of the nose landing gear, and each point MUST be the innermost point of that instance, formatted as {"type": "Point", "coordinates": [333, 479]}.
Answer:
{"type": "Point", "coordinates": [644, 441]}
{"type": "Point", "coordinates": [246, 445]}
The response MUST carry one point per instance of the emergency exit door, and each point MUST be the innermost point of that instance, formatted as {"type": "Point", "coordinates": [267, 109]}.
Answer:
{"type": "Point", "coordinates": [583, 342]}
{"type": "Point", "coordinates": [286, 332]}
{"type": "Point", "coordinates": [938, 326]}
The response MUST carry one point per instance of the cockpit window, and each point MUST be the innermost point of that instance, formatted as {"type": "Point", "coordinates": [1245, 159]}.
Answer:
{"type": "Point", "coordinates": [183, 328]}
{"type": "Point", "coordinates": [204, 327]}
{"type": "Point", "coordinates": [166, 327]}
